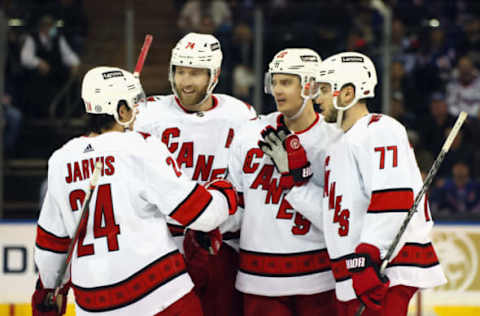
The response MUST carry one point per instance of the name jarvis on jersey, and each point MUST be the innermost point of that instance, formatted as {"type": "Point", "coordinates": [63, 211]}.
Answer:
{"type": "Point", "coordinates": [81, 170]}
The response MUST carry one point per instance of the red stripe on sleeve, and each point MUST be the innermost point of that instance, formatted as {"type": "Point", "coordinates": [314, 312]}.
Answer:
{"type": "Point", "coordinates": [193, 206]}
{"type": "Point", "coordinates": [395, 200]}
{"type": "Point", "coordinates": [48, 241]}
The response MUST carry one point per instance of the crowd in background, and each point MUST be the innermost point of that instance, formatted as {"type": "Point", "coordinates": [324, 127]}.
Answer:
{"type": "Point", "coordinates": [435, 47]}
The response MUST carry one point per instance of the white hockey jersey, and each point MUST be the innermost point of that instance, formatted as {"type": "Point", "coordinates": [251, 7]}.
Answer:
{"type": "Point", "coordinates": [281, 253]}
{"type": "Point", "coordinates": [371, 180]}
{"type": "Point", "coordinates": [126, 262]}
{"type": "Point", "coordinates": [198, 140]}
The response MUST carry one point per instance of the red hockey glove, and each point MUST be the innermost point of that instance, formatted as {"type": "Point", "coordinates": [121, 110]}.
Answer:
{"type": "Point", "coordinates": [42, 304]}
{"type": "Point", "coordinates": [288, 155]}
{"type": "Point", "coordinates": [209, 243]}
{"type": "Point", "coordinates": [226, 188]}
{"type": "Point", "coordinates": [368, 284]}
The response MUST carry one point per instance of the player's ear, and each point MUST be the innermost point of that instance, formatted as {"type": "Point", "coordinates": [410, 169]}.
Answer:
{"type": "Point", "coordinates": [123, 111]}
{"type": "Point", "coordinates": [348, 93]}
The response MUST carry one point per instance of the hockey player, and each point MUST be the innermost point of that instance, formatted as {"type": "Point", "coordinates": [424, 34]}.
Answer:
{"type": "Point", "coordinates": [126, 262]}
{"type": "Point", "coordinates": [198, 127]}
{"type": "Point", "coordinates": [371, 179]}
{"type": "Point", "coordinates": [284, 268]}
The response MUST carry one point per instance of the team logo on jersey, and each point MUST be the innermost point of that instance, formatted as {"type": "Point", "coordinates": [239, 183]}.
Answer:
{"type": "Point", "coordinates": [112, 74]}
{"type": "Point", "coordinates": [458, 254]}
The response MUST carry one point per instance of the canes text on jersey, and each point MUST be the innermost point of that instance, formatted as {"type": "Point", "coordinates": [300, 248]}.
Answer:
{"type": "Point", "coordinates": [340, 216]}
{"type": "Point", "coordinates": [185, 158]}
{"type": "Point", "coordinates": [81, 170]}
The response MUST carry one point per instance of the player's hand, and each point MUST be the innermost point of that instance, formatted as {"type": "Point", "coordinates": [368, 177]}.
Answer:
{"type": "Point", "coordinates": [201, 241]}
{"type": "Point", "coordinates": [288, 155]}
{"type": "Point", "coordinates": [43, 67]}
{"type": "Point", "coordinates": [226, 188]}
{"type": "Point", "coordinates": [368, 284]}
{"type": "Point", "coordinates": [43, 303]}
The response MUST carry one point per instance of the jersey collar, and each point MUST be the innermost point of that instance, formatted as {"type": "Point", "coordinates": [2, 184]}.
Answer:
{"type": "Point", "coordinates": [215, 103]}
{"type": "Point", "coordinates": [281, 121]}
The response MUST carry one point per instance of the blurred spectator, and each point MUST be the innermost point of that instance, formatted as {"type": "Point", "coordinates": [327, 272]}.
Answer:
{"type": "Point", "coordinates": [434, 60]}
{"type": "Point", "coordinates": [398, 111]}
{"type": "Point", "coordinates": [424, 157]}
{"type": "Point", "coordinates": [437, 122]}
{"type": "Point", "coordinates": [402, 46]}
{"type": "Point", "coordinates": [50, 62]}
{"type": "Point", "coordinates": [196, 15]}
{"type": "Point", "coordinates": [471, 42]}
{"type": "Point", "coordinates": [242, 74]}
{"type": "Point", "coordinates": [402, 83]}
{"type": "Point", "coordinates": [13, 120]}
{"type": "Point", "coordinates": [14, 72]}
{"type": "Point", "coordinates": [458, 195]}
{"type": "Point", "coordinates": [463, 92]}
{"type": "Point", "coordinates": [459, 151]}
{"type": "Point", "coordinates": [75, 25]}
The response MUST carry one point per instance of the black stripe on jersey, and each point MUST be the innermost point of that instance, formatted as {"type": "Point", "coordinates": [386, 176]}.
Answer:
{"type": "Point", "coordinates": [389, 211]}
{"type": "Point", "coordinates": [231, 235]}
{"type": "Point", "coordinates": [123, 282]}
{"type": "Point", "coordinates": [51, 250]}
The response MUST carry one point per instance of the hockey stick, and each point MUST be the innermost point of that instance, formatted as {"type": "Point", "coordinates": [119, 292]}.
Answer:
{"type": "Point", "coordinates": [426, 185]}
{"type": "Point", "coordinates": [143, 55]}
{"type": "Point", "coordinates": [81, 226]}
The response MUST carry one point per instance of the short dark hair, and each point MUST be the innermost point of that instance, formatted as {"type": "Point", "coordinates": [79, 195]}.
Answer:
{"type": "Point", "coordinates": [97, 123]}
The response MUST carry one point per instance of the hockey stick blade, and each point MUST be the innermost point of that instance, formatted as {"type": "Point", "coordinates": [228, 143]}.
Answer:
{"type": "Point", "coordinates": [81, 225]}
{"type": "Point", "coordinates": [426, 185]}
{"type": "Point", "coordinates": [143, 55]}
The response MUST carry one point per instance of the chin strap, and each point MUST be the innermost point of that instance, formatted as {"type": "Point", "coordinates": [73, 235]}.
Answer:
{"type": "Point", "coordinates": [340, 110]}
{"type": "Point", "coordinates": [300, 111]}
{"type": "Point", "coordinates": [126, 124]}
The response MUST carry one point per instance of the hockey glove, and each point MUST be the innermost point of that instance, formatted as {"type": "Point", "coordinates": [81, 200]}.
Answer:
{"type": "Point", "coordinates": [226, 188]}
{"type": "Point", "coordinates": [207, 242]}
{"type": "Point", "coordinates": [288, 155]}
{"type": "Point", "coordinates": [368, 284]}
{"type": "Point", "coordinates": [42, 304]}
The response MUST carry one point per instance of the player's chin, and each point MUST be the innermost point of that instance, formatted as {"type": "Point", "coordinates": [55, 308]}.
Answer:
{"type": "Point", "coordinates": [188, 100]}
{"type": "Point", "coordinates": [329, 117]}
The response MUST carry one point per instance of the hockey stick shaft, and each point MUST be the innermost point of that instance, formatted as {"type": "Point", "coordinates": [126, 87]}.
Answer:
{"type": "Point", "coordinates": [143, 55]}
{"type": "Point", "coordinates": [425, 187]}
{"type": "Point", "coordinates": [81, 226]}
